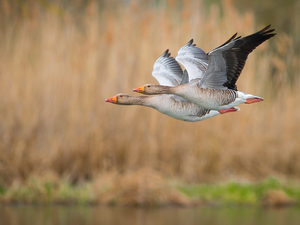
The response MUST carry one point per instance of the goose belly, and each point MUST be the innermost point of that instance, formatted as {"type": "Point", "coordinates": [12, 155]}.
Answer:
{"type": "Point", "coordinates": [182, 110]}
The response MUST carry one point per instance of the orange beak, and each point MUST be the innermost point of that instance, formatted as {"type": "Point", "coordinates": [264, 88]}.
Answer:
{"type": "Point", "coordinates": [140, 89]}
{"type": "Point", "coordinates": [112, 99]}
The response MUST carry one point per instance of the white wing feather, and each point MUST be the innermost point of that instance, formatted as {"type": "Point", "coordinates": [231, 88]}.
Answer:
{"type": "Point", "coordinates": [194, 60]}
{"type": "Point", "coordinates": [167, 71]}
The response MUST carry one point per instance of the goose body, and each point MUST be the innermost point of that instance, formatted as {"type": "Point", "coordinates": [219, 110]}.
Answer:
{"type": "Point", "coordinates": [214, 99]}
{"type": "Point", "coordinates": [170, 106]}
{"type": "Point", "coordinates": [169, 73]}
{"type": "Point", "coordinates": [215, 88]}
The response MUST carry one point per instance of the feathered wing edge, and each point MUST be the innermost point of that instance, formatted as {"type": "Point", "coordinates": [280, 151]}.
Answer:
{"type": "Point", "coordinates": [197, 52]}
{"type": "Point", "coordinates": [194, 60]}
{"type": "Point", "coordinates": [166, 70]}
{"type": "Point", "coordinates": [233, 56]}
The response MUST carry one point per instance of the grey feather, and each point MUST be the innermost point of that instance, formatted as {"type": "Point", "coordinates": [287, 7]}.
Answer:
{"type": "Point", "coordinates": [227, 62]}
{"type": "Point", "coordinates": [194, 59]}
{"type": "Point", "coordinates": [167, 71]}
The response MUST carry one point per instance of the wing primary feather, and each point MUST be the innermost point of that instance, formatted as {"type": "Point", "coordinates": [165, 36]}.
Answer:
{"type": "Point", "coordinates": [229, 40]}
{"type": "Point", "coordinates": [166, 70]}
{"type": "Point", "coordinates": [193, 59]}
{"type": "Point", "coordinates": [227, 61]}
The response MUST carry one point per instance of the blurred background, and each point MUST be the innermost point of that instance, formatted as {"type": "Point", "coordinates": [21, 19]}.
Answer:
{"type": "Point", "coordinates": [60, 60]}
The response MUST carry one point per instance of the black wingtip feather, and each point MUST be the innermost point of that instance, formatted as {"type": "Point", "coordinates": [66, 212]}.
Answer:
{"type": "Point", "coordinates": [165, 52]}
{"type": "Point", "coordinates": [242, 48]}
{"type": "Point", "coordinates": [237, 38]}
{"type": "Point", "coordinates": [232, 38]}
{"type": "Point", "coordinates": [190, 42]}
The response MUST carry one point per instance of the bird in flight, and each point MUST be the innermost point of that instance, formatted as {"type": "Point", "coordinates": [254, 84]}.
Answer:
{"type": "Point", "coordinates": [213, 83]}
{"type": "Point", "coordinates": [169, 73]}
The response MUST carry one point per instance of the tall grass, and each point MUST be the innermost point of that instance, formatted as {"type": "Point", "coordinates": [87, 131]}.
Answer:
{"type": "Point", "coordinates": [56, 70]}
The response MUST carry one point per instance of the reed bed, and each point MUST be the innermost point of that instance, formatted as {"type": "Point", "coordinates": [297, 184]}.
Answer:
{"type": "Point", "coordinates": [57, 69]}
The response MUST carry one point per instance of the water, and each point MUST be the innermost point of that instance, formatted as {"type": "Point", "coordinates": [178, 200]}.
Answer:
{"type": "Point", "coordinates": [100, 215]}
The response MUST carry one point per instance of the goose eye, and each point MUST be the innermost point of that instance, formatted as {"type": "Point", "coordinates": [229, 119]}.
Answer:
{"type": "Point", "coordinates": [148, 85]}
{"type": "Point", "coordinates": [121, 96]}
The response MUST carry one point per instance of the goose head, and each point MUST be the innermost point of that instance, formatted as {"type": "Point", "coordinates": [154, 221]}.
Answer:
{"type": "Point", "coordinates": [120, 99]}
{"type": "Point", "coordinates": [152, 89]}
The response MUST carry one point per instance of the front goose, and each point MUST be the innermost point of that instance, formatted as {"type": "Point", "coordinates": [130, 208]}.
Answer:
{"type": "Point", "coordinates": [169, 73]}
{"type": "Point", "coordinates": [217, 89]}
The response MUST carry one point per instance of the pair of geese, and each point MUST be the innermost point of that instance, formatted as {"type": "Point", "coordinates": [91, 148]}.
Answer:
{"type": "Point", "coordinates": [207, 86]}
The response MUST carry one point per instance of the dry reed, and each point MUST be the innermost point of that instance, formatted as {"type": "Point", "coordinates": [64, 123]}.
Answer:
{"type": "Point", "coordinates": [56, 71]}
{"type": "Point", "coordinates": [276, 198]}
{"type": "Point", "coordinates": [142, 188]}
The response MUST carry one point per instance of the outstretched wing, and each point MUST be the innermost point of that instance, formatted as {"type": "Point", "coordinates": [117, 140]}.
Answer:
{"type": "Point", "coordinates": [167, 71]}
{"type": "Point", "coordinates": [227, 62]}
{"type": "Point", "coordinates": [194, 60]}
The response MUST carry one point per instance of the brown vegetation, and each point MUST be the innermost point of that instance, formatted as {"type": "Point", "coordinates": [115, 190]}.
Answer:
{"type": "Point", "coordinates": [276, 198]}
{"type": "Point", "coordinates": [142, 188]}
{"type": "Point", "coordinates": [57, 69]}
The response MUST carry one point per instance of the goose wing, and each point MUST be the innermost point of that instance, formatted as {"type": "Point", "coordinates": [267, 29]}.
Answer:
{"type": "Point", "coordinates": [229, 40]}
{"type": "Point", "coordinates": [185, 77]}
{"type": "Point", "coordinates": [194, 60]}
{"type": "Point", "coordinates": [166, 70]}
{"type": "Point", "coordinates": [227, 61]}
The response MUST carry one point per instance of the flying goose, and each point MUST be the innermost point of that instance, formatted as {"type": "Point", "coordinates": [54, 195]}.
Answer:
{"type": "Point", "coordinates": [169, 73]}
{"type": "Point", "coordinates": [217, 89]}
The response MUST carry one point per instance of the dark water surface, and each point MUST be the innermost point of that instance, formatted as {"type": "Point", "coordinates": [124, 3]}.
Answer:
{"type": "Point", "coordinates": [77, 215]}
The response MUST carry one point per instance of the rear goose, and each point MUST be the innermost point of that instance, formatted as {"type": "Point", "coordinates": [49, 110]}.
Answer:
{"type": "Point", "coordinates": [169, 73]}
{"type": "Point", "coordinates": [217, 89]}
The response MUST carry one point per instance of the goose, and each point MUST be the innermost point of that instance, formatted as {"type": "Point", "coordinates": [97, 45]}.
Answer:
{"type": "Point", "coordinates": [169, 73]}
{"type": "Point", "coordinates": [217, 89]}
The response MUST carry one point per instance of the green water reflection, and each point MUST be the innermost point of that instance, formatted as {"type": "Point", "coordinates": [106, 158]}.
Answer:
{"type": "Point", "coordinates": [75, 215]}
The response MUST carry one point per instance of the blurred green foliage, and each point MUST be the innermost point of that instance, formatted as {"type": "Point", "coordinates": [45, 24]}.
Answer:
{"type": "Point", "coordinates": [45, 192]}
{"type": "Point", "coordinates": [240, 193]}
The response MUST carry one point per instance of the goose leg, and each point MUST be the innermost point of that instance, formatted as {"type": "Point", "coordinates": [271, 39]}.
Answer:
{"type": "Point", "coordinates": [253, 100]}
{"type": "Point", "coordinates": [233, 109]}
